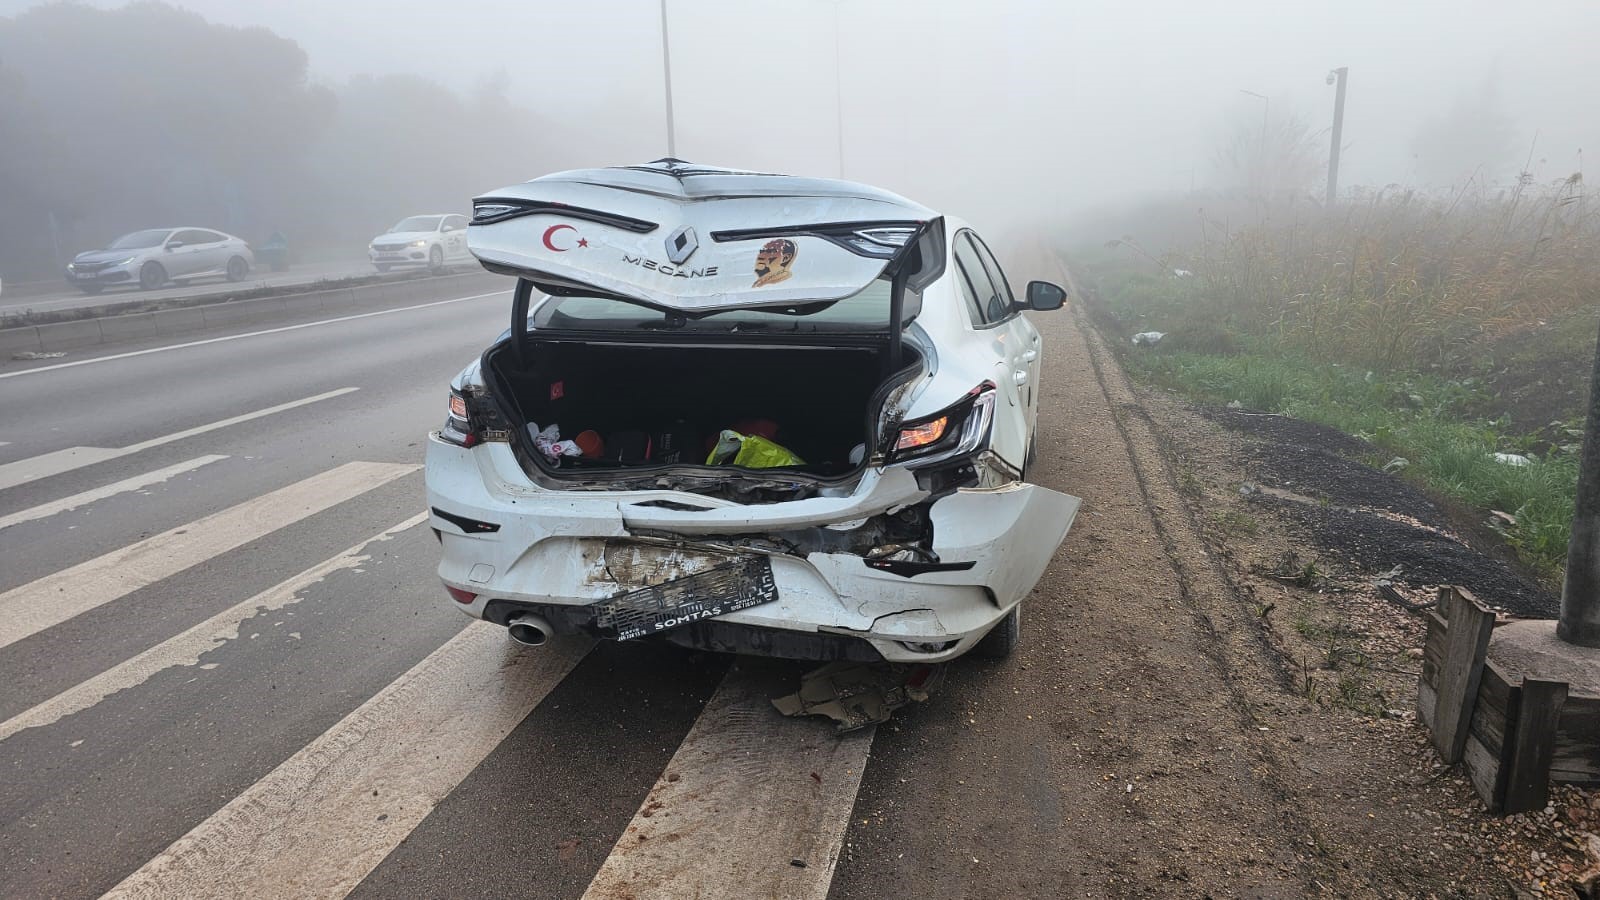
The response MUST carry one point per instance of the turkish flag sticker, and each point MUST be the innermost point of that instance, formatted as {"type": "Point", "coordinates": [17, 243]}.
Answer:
{"type": "Point", "coordinates": [558, 389]}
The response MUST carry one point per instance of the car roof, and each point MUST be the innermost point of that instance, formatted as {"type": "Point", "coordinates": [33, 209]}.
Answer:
{"type": "Point", "coordinates": [688, 237]}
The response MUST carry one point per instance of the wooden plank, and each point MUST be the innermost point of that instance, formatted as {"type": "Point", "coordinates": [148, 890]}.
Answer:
{"type": "Point", "coordinates": [1484, 769]}
{"type": "Point", "coordinates": [1576, 759]}
{"type": "Point", "coordinates": [1532, 745]}
{"type": "Point", "coordinates": [1494, 709]}
{"type": "Point", "coordinates": [1466, 642]}
{"type": "Point", "coordinates": [1427, 699]}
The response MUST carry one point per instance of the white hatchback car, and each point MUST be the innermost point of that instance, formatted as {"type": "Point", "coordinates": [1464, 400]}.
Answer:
{"type": "Point", "coordinates": [747, 413]}
{"type": "Point", "coordinates": [433, 241]}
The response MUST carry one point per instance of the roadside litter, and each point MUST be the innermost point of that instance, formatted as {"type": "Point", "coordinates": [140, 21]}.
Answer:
{"type": "Point", "coordinates": [35, 354]}
{"type": "Point", "coordinates": [856, 695]}
{"type": "Point", "coordinates": [1513, 459]}
{"type": "Point", "coordinates": [1148, 338]}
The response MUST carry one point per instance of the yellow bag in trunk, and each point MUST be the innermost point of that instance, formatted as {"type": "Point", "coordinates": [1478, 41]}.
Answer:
{"type": "Point", "coordinates": [751, 451]}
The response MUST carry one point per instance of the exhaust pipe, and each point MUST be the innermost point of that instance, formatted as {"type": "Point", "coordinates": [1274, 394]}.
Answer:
{"type": "Point", "coordinates": [529, 630]}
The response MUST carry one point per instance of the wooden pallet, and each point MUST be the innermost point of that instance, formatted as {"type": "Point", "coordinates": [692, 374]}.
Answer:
{"type": "Point", "coordinates": [1515, 733]}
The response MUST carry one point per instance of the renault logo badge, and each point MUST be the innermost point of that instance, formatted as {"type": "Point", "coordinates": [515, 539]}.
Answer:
{"type": "Point", "coordinates": [681, 244]}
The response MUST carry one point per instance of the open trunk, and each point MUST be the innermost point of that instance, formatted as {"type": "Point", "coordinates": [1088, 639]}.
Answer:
{"type": "Point", "coordinates": [657, 406]}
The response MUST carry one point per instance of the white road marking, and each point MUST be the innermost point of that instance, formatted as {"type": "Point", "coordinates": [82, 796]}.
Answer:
{"type": "Point", "coordinates": [186, 649]}
{"type": "Point", "coordinates": [53, 599]}
{"type": "Point", "coordinates": [323, 820]}
{"type": "Point", "coordinates": [137, 482]}
{"type": "Point", "coordinates": [738, 802]}
{"type": "Point", "coordinates": [57, 462]}
{"type": "Point", "coordinates": [234, 337]}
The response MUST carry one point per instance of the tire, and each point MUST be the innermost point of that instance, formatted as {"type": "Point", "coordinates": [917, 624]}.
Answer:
{"type": "Point", "coordinates": [238, 269]}
{"type": "Point", "coordinates": [1002, 640]}
{"type": "Point", "coordinates": [91, 289]}
{"type": "Point", "coordinates": [436, 260]}
{"type": "Point", "coordinates": [152, 276]}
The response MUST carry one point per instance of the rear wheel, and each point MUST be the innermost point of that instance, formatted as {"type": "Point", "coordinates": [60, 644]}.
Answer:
{"type": "Point", "coordinates": [238, 269]}
{"type": "Point", "coordinates": [436, 259]}
{"type": "Point", "coordinates": [152, 276]}
{"type": "Point", "coordinates": [1003, 639]}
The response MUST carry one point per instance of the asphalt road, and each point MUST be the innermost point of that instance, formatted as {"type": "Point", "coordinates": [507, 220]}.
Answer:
{"type": "Point", "coordinates": [229, 670]}
{"type": "Point", "coordinates": [16, 299]}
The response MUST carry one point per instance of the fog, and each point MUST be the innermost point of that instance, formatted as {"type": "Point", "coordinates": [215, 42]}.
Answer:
{"type": "Point", "coordinates": [1017, 116]}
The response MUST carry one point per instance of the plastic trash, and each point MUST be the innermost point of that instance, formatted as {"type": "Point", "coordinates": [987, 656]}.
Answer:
{"type": "Point", "coordinates": [1148, 338]}
{"type": "Point", "coordinates": [548, 441]}
{"type": "Point", "coordinates": [752, 451]}
{"type": "Point", "coordinates": [1513, 459]}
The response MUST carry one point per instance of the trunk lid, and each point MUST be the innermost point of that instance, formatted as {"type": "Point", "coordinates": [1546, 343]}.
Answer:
{"type": "Point", "coordinates": [694, 240]}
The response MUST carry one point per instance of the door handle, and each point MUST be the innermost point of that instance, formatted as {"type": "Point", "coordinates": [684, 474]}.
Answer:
{"type": "Point", "coordinates": [1030, 355]}
{"type": "Point", "coordinates": [1019, 376]}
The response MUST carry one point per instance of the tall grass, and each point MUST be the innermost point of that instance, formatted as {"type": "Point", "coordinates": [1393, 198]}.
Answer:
{"type": "Point", "coordinates": [1382, 318]}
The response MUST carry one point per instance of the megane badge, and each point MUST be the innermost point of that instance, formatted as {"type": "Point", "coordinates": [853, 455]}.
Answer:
{"type": "Point", "coordinates": [681, 244]}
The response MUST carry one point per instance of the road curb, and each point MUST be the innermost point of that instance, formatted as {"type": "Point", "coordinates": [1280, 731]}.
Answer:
{"type": "Point", "coordinates": [197, 317]}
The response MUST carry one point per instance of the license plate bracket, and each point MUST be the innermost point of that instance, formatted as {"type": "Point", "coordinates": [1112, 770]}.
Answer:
{"type": "Point", "coordinates": [729, 587]}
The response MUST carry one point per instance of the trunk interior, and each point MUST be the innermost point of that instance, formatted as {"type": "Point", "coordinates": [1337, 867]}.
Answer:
{"type": "Point", "coordinates": [654, 405]}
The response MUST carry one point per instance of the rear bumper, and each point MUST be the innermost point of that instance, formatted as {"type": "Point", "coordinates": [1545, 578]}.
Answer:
{"type": "Point", "coordinates": [558, 551]}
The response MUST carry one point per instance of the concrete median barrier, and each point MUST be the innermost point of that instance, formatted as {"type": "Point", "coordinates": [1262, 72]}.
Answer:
{"type": "Point", "coordinates": [223, 312]}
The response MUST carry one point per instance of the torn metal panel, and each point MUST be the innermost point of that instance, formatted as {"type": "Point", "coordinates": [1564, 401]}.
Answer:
{"type": "Point", "coordinates": [856, 695]}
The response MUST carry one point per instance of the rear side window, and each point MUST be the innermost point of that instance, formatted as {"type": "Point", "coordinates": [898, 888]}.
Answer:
{"type": "Point", "coordinates": [981, 294]}
{"type": "Point", "coordinates": [1003, 301]}
{"type": "Point", "coordinates": [192, 236]}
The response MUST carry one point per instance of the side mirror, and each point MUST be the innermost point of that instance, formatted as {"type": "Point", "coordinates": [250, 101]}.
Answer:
{"type": "Point", "coordinates": [1044, 296]}
{"type": "Point", "coordinates": [173, 245]}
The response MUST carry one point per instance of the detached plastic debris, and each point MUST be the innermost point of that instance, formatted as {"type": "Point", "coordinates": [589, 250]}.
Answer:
{"type": "Point", "coordinates": [1148, 338]}
{"type": "Point", "coordinates": [548, 441]}
{"type": "Point", "coordinates": [751, 451]}
{"type": "Point", "coordinates": [35, 354]}
{"type": "Point", "coordinates": [1513, 459]}
{"type": "Point", "coordinates": [1395, 465]}
{"type": "Point", "coordinates": [855, 695]}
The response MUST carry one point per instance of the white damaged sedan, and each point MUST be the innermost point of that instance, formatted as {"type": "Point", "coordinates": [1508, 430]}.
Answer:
{"type": "Point", "coordinates": [745, 413]}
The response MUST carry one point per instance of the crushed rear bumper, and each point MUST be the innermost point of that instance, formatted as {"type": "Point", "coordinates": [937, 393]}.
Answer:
{"type": "Point", "coordinates": [517, 547]}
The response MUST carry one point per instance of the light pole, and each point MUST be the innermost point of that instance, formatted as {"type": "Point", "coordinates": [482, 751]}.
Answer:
{"type": "Point", "coordinates": [1337, 75]}
{"type": "Point", "coordinates": [1580, 593]}
{"type": "Point", "coordinates": [1266, 113]}
{"type": "Point", "coordinates": [666, 80]}
{"type": "Point", "coordinates": [838, 87]}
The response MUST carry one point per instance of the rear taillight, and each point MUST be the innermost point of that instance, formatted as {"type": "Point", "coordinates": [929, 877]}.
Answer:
{"type": "Point", "coordinates": [458, 424]}
{"type": "Point", "coordinates": [960, 430]}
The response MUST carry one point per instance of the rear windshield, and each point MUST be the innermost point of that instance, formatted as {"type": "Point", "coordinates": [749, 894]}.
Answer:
{"type": "Point", "coordinates": [865, 310]}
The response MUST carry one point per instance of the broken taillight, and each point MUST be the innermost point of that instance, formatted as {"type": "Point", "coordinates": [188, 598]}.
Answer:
{"type": "Point", "coordinates": [458, 424]}
{"type": "Point", "coordinates": [960, 430]}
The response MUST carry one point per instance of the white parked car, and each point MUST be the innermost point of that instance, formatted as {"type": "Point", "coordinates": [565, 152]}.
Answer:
{"type": "Point", "coordinates": [433, 241]}
{"type": "Point", "coordinates": [155, 256]}
{"type": "Point", "coordinates": [747, 413]}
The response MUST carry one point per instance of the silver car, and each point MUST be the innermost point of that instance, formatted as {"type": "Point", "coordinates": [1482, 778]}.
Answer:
{"type": "Point", "coordinates": [156, 256]}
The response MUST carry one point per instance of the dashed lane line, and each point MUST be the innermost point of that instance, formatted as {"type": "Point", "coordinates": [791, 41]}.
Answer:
{"type": "Point", "coordinates": [185, 649]}
{"type": "Point", "coordinates": [752, 805]}
{"type": "Point", "coordinates": [58, 462]}
{"type": "Point", "coordinates": [136, 483]}
{"type": "Point", "coordinates": [323, 820]}
{"type": "Point", "coordinates": [31, 608]}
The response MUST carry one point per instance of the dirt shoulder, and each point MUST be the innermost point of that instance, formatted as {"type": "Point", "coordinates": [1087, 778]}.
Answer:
{"type": "Point", "coordinates": [1152, 736]}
